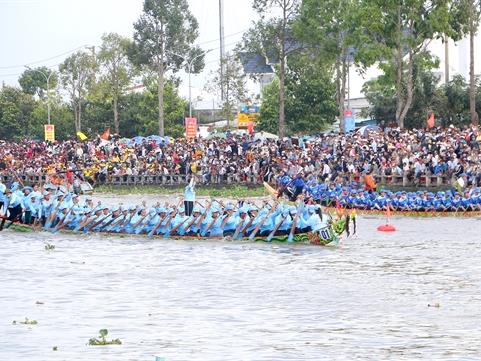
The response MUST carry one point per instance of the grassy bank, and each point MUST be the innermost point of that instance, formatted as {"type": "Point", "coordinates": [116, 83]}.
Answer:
{"type": "Point", "coordinates": [234, 191]}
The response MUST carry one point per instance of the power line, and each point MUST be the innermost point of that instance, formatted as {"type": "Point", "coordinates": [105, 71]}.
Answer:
{"type": "Point", "coordinates": [55, 65]}
{"type": "Point", "coordinates": [17, 74]}
{"type": "Point", "coordinates": [226, 36]}
{"type": "Point", "coordinates": [83, 46]}
{"type": "Point", "coordinates": [43, 60]}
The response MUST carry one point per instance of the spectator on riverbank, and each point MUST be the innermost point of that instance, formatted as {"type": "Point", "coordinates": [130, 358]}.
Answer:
{"type": "Point", "coordinates": [330, 157]}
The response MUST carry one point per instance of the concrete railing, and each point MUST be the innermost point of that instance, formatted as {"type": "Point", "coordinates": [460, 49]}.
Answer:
{"type": "Point", "coordinates": [180, 180]}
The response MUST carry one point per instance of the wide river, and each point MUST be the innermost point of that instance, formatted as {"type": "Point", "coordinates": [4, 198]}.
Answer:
{"type": "Point", "coordinates": [366, 299]}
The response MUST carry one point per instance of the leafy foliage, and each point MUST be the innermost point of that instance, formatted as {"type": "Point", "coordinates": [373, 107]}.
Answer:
{"type": "Point", "coordinates": [77, 74]}
{"type": "Point", "coordinates": [102, 341]}
{"type": "Point", "coordinates": [34, 81]}
{"type": "Point", "coordinates": [118, 71]}
{"type": "Point", "coordinates": [232, 80]}
{"type": "Point", "coordinates": [310, 98]}
{"type": "Point", "coordinates": [165, 30]}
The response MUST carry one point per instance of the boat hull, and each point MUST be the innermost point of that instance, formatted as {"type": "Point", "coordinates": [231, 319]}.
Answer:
{"type": "Point", "coordinates": [320, 238]}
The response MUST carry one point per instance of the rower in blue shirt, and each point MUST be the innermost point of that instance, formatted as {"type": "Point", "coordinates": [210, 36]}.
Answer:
{"type": "Point", "coordinates": [13, 204]}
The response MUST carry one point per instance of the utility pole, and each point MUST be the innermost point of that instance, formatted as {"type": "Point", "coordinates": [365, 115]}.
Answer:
{"type": "Point", "coordinates": [190, 63]}
{"type": "Point", "coordinates": [222, 48]}
{"type": "Point", "coordinates": [47, 78]}
{"type": "Point", "coordinates": [446, 59]}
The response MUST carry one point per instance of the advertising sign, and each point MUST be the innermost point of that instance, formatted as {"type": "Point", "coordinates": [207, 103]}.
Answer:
{"type": "Point", "coordinates": [49, 132]}
{"type": "Point", "coordinates": [191, 128]}
{"type": "Point", "coordinates": [247, 114]}
{"type": "Point", "coordinates": [349, 122]}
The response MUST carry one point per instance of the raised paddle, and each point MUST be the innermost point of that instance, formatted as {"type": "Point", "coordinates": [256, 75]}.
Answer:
{"type": "Point", "coordinates": [95, 224]}
{"type": "Point", "coordinates": [294, 223]}
{"type": "Point", "coordinates": [169, 221]}
{"type": "Point", "coordinates": [173, 230]}
{"type": "Point", "coordinates": [110, 222]}
{"type": "Point", "coordinates": [239, 227]}
{"type": "Point", "coordinates": [260, 224]}
{"type": "Point", "coordinates": [154, 230]}
{"type": "Point", "coordinates": [194, 219]}
{"type": "Point", "coordinates": [141, 224]}
{"type": "Point", "coordinates": [278, 225]}
{"type": "Point", "coordinates": [61, 224]}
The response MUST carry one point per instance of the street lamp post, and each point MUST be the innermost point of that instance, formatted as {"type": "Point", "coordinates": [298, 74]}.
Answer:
{"type": "Point", "coordinates": [189, 70]}
{"type": "Point", "coordinates": [48, 89]}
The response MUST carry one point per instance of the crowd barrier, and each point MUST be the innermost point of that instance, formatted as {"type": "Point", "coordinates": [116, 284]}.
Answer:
{"type": "Point", "coordinates": [179, 180]}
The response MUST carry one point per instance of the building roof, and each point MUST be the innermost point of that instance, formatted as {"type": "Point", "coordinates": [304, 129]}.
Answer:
{"type": "Point", "coordinates": [254, 63]}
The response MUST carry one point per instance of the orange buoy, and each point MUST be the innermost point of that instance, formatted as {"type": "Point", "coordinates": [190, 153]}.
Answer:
{"type": "Point", "coordinates": [386, 228]}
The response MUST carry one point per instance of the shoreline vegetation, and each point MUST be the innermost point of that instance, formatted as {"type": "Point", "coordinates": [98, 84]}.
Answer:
{"type": "Point", "coordinates": [233, 191]}
{"type": "Point", "coordinates": [223, 191]}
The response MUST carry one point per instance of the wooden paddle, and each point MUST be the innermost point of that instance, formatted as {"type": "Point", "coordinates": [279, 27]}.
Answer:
{"type": "Point", "coordinates": [173, 230]}
{"type": "Point", "coordinates": [294, 223]}
{"type": "Point", "coordinates": [260, 224]}
{"type": "Point", "coordinates": [278, 225]}
{"type": "Point", "coordinates": [157, 226]}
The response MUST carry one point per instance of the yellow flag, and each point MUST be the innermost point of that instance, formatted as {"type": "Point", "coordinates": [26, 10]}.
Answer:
{"type": "Point", "coordinates": [81, 136]}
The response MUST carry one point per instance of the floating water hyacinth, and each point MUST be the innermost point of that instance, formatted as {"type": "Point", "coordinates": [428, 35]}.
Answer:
{"type": "Point", "coordinates": [101, 341]}
{"type": "Point", "coordinates": [26, 322]}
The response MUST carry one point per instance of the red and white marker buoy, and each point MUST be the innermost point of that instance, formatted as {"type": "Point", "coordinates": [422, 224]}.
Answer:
{"type": "Point", "coordinates": [388, 227]}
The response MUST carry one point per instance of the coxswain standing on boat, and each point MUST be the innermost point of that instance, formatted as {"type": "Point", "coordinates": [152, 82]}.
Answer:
{"type": "Point", "coordinates": [298, 185]}
{"type": "Point", "coordinates": [189, 196]}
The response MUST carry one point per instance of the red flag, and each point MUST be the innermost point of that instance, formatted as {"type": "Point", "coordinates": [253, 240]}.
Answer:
{"type": "Point", "coordinates": [250, 128]}
{"type": "Point", "coordinates": [106, 134]}
{"type": "Point", "coordinates": [431, 121]}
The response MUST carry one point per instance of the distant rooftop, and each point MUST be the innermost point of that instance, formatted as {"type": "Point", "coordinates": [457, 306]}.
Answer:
{"type": "Point", "coordinates": [254, 63]}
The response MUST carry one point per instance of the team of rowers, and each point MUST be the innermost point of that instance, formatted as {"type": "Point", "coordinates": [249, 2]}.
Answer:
{"type": "Point", "coordinates": [354, 197]}
{"type": "Point", "coordinates": [56, 210]}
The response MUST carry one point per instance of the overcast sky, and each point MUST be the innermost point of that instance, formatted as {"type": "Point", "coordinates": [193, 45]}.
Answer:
{"type": "Point", "coordinates": [45, 32]}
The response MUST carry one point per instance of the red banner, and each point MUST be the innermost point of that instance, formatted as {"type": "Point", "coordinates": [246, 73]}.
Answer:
{"type": "Point", "coordinates": [431, 121]}
{"type": "Point", "coordinates": [250, 127]}
{"type": "Point", "coordinates": [191, 128]}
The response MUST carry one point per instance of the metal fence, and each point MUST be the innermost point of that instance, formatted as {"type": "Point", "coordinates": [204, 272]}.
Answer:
{"type": "Point", "coordinates": [180, 180]}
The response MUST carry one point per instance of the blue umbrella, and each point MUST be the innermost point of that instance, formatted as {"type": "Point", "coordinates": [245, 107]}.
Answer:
{"type": "Point", "coordinates": [365, 130]}
{"type": "Point", "coordinates": [156, 138]}
{"type": "Point", "coordinates": [138, 139]}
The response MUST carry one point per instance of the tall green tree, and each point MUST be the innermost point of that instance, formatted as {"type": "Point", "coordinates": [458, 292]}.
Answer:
{"type": "Point", "coordinates": [399, 31]}
{"type": "Point", "coordinates": [310, 98]}
{"type": "Point", "coordinates": [34, 81]}
{"type": "Point", "coordinates": [230, 78]}
{"type": "Point", "coordinates": [465, 20]}
{"type": "Point", "coordinates": [166, 28]}
{"type": "Point", "coordinates": [77, 74]}
{"type": "Point", "coordinates": [16, 114]}
{"type": "Point", "coordinates": [276, 39]}
{"type": "Point", "coordinates": [139, 115]}
{"type": "Point", "coordinates": [118, 71]}
{"type": "Point", "coordinates": [327, 26]}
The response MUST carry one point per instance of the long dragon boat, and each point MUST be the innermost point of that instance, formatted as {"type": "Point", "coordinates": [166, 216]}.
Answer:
{"type": "Point", "coordinates": [375, 212]}
{"type": "Point", "coordinates": [425, 214]}
{"type": "Point", "coordinates": [328, 235]}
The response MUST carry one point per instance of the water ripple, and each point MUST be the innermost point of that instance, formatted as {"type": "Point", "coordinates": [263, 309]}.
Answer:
{"type": "Point", "coordinates": [365, 299]}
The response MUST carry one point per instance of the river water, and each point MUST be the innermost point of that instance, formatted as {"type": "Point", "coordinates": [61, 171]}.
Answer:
{"type": "Point", "coordinates": [366, 299]}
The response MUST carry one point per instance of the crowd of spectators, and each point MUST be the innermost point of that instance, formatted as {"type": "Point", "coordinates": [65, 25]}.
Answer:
{"type": "Point", "coordinates": [439, 151]}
